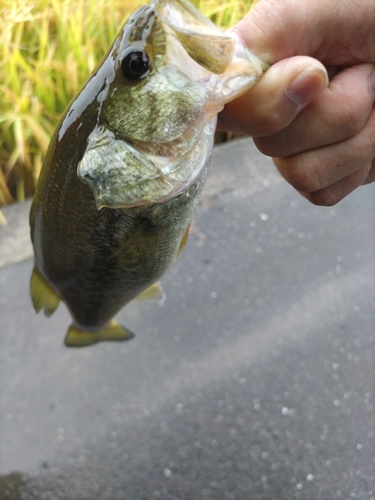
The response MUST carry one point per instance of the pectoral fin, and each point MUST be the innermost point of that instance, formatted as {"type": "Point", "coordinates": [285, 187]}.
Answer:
{"type": "Point", "coordinates": [79, 338]}
{"type": "Point", "coordinates": [183, 241]}
{"type": "Point", "coordinates": [154, 292]}
{"type": "Point", "coordinates": [42, 295]}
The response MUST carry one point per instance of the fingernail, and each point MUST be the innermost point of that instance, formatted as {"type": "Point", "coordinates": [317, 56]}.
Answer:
{"type": "Point", "coordinates": [307, 85]}
{"type": "Point", "coordinates": [372, 84]}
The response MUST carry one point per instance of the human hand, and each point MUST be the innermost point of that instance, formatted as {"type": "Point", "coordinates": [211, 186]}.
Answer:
{"type": "Point", "coordinates": [322, 137]}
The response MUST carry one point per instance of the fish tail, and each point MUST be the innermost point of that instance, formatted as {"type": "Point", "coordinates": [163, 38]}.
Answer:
{"type": "Point", "coordinates": [79, 338]}
{"type": "Point", "coordinates": [42, 295]}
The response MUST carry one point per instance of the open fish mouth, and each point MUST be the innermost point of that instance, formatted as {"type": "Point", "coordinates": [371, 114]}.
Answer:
{"type": "Point", "coordinates": [155, 151]}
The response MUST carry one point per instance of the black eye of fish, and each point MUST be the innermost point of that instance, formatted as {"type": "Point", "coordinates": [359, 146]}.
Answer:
{"type": "Point", "coordinates": [135, 65]}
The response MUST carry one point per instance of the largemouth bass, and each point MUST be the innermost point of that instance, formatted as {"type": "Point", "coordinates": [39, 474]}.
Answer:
{"type": "Point", "coordinates": [127, 163]}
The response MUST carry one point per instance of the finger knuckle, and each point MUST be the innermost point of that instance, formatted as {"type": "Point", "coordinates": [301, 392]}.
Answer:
{"type": "Point", "coordinates": [305, 174]}
{"type": "Point", "coordinates": [349, 113]}
{"type": "Point", "coordinates": [265, 146]}
{"type": "Point", "coordinates": [354, 119]}
{"type": "Point", "coordinates": [323, 198]}
{"type": "Point", "coordinates": [271, 123]}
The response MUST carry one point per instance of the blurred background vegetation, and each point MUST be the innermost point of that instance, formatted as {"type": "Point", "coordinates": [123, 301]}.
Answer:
{"type": "Point", "coordinates": [48, 49]}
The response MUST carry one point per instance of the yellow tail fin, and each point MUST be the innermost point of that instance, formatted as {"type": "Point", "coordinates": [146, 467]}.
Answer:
{"type": "Point", "coordinates": [79, 338]}
{"type": "Point", "coordinates": [42, 295]}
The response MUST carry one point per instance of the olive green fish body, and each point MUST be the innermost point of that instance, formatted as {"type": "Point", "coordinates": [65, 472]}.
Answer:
{"type": "Point", "coordinates": [99, 260]}
{"type": "Point", "coordinates": [127, 164]}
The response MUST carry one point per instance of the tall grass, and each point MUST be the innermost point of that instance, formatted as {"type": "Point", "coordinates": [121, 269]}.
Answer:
{"type": "Point", "coordinates": [47, 50]}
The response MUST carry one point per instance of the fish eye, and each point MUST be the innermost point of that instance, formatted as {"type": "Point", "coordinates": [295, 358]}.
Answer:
{"type": "Point", "coordinates": [135, 65]}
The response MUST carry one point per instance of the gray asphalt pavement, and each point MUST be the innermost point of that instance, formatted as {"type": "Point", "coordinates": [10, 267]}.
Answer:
{"type": "Point", "coordinates": [255, 379]}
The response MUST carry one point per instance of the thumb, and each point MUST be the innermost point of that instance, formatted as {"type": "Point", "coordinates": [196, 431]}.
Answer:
{"type": "Point", "coordinates": [282, 92]}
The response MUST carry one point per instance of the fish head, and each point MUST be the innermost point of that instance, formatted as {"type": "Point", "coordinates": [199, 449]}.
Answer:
{"type": "Point", "coordinates": [165, 78]}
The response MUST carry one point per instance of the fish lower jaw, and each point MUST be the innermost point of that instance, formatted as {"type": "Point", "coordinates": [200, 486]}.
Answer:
{"type": "Point", "coordinates": [121, 175]}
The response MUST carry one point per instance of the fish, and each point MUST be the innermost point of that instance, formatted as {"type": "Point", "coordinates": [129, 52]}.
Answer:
{"type": "Point", "coordinates": [127, 163]}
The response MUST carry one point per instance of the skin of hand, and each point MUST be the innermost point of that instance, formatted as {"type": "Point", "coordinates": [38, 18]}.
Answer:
{"type": "Point", "coordinates": [313, 110]}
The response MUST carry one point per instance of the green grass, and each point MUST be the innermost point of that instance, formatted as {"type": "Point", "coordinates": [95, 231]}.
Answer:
{"type": "Point", "coordinates": [47, 50]}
